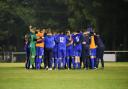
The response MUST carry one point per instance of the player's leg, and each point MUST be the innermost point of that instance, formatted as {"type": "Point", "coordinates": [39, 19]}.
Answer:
{"type": "Point", "coordinates": [92, 57]}
{"type": "Point", "coordinates": [55, 55]}
{"type": "Point", "coordinates": [59, 58]}
{"type": "Point", "coordinates": [76, 58]}
{"type": "Point", "coordinates": [83, 57]}
{"type": "Point", "coordinates": [97, 57]}
{"type": "Point", "coordinates": [55, 62]}
{"type": "Point", "coordinates": [73, 58]}
{"type": "Point", "coordinates": [27, 63]}
{"type": "Point", "coordinates": [79, 58]}
{"type": "Point", "coordinates": [64, 58]}
{"type": "Point", "coordinates": [50, 58]}
{"type": "Point", "coordinates": [78, 62]}
{"type": "Point", "coordinates": [67, 57]}
{"type": "Point", "coordinates": [37, 57]}
{"type": "Point", "coordinates": [41, 53]}
{"type": "Point", "coordinates": [55, 58]}
{"type": "Point", "coordinates": [92, 62]}
{"type": "Point", "coordinates": [68, 62]}
{"type": "Point", "coordinates": [32, 56]}
{"type": "Point", "coordinates": [41, 56]}
{"type": "Point", "coordinates": [46, 58]}
{"type": "Point", "coordinates": [87, 62]}
{"type": "Point", "coordinates": [70, 57]}
{"type": "Point", "coordinates": [101, 56]}
{"type": "Point", "coordinates": [73, 62]}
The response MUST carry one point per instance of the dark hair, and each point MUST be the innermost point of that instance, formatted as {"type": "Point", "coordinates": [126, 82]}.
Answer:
{"type": "Point", "coordinates": [49, 31]}
{"type": "Point", "coordinates": [91, 33]}
{"type": "Point", "coordinates": [78, 31]}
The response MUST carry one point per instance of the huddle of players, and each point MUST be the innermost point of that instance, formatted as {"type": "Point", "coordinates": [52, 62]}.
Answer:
{"type": "Point", "coordinates": [63, 50]}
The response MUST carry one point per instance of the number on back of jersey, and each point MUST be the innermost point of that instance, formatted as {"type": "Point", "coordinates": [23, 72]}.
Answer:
{"type": "Point", "coordinates": [62, 39]}
{"type": "Point", "coordinates": [77, 39]}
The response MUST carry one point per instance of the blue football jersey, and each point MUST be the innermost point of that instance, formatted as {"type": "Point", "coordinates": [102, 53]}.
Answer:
{"type": "Point", "coordinates": [61, 39]}
{"type": "Point", "coordinates": [69, 41]}
{"type": "Point", "coordinates": [77, 39]}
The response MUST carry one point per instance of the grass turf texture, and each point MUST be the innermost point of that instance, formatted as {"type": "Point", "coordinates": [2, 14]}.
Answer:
{"type": "Point", "coordinates": [15, 76]}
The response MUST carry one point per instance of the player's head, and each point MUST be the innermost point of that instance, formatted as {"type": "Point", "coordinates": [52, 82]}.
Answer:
{"type": "Point", "coordinates": [49, 32]}
{"type": "Point", "coordinates": [33, 29]}
{"type": "Point", "coordinates": [86, 33]}
{"type": "Point", "coordinates": [26, 36]}
{"type": "Point", "coordinates": [98, 35]}
{"type": "Point", "coordinates": [68, 32]}
{"type": "Point", "coordinates": [61, 32]}
{"type": "Point", "coordinates": [42, 30]}
{"type": "Point", "coordinates": [91, 33]}
{"type": "Point", "coordinates": [54, 33]}
{"type": "Point", "coordinates": [37, 30]}
{"type": "Point", "coordinates": [77, 31]}
{"type": "Point", "coordinates": [30, 26]}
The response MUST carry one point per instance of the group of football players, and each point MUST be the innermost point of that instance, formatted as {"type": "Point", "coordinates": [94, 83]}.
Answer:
{"type": "Point", "coordinates": [49, 49]}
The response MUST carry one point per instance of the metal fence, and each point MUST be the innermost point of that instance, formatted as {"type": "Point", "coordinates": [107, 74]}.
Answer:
{"type": "Point", "coordinates": [118, 56]}
{"type": "Point", "coordinates": [12, 56]}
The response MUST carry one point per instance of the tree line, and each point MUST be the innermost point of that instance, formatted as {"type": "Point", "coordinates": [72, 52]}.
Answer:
{"type": "Point", "coordinates": [108, 18]}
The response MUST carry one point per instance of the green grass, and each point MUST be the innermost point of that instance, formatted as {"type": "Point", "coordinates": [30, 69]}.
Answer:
{"type": "Point", "coordinates": [15, 76]}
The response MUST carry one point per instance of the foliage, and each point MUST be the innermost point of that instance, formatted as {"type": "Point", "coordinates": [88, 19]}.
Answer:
{"type": "Point", "coordinates": [107, 17]}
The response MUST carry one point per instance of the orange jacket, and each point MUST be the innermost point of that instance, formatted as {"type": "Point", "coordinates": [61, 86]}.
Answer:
{"type": "Point", "coordinates": [40, 43]}
{"type": "Point", "coordinates": [92, 44]}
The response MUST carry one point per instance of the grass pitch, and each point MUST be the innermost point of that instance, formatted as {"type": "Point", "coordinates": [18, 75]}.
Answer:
{"type": "Point", "coordinates": [15, 76]}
